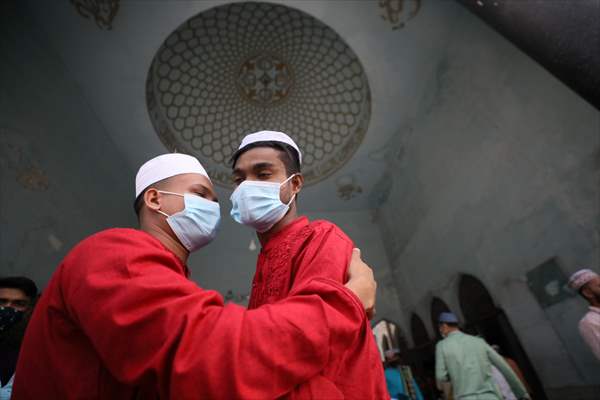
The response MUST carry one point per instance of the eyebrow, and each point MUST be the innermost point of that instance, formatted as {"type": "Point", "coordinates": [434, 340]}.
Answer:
{"type": "Point", "coordinates": [255, 167]}
{"type": "Point", "coordinates": [262, 165]}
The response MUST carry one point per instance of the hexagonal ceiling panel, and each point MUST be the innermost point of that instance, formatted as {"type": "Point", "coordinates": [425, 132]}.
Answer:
{"type": "Point", "coordinates": [245, 67]}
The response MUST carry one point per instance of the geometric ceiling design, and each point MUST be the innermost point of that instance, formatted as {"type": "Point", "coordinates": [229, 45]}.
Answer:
{"type": "Point", "coordinates": [245, 67]}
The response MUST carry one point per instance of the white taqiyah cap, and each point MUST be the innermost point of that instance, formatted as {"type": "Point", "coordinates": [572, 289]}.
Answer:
{"type": "Point", "coordinates": [580, 278]}
{"type": "Point", "coordinates": [270, 136]}
{"type": "Point", "coordinates": [166, 166]}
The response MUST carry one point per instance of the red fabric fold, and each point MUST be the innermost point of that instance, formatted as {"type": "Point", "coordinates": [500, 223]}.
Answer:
{"type": "Point", "coordinates": [293, 259]}
{"type": "Point", "coordinates": [120, 320]}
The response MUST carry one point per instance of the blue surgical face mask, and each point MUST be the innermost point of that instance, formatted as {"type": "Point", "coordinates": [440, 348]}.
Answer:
{"type": "Point", "coordinates": [257, 204]}
{"type": "Point", "coordinates": [196, 225]}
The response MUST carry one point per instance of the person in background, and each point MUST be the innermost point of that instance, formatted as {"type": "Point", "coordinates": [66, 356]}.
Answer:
{"type": "Point", "coordinates": [503, 386]}
{"type": "Point", "coordinates": [296, 251]}
{"type": "Point", "coordinates": [399, 379]}
{"type": "Point", "coordinates": [17, 296]}
{"type": "Point", "coordinates": [513, 364]}
{"type": "Point", "coordinates": [587, 283]}
{"type": "Point", "coordinates": [465, 361]}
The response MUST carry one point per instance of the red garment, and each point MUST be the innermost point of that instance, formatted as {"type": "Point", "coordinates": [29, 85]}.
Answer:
{"type": "Point", "coordinates": [299, 253]}
{"type": "Point", "coordinates": [120, 320]}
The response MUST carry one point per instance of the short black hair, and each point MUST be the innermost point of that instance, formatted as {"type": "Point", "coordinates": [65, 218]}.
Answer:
{"type": "Point", "coordinates": [137, 204]}
{"type": "Point", "coordinates": [22, 283]}
{"type": "Point", "coordinates": [287, 154]}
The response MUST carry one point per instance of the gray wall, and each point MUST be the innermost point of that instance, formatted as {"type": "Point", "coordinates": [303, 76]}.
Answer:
{"type": "Point", "coordinates": [499, 173]}
{"type": "Point", "coordinates": [61, 178]}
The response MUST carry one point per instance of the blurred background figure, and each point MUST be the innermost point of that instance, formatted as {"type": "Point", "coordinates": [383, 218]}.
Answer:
{"type": "Point", "coordinates": [399, 378]}
{"type": "Point", "coordinates": [587, 283]}
{"type": "Point", "coordinates": [466, 362]}
{"type": "Point", "coordinates": [515, 367]}
{"type": "Point", "coordinates": [17, 297]}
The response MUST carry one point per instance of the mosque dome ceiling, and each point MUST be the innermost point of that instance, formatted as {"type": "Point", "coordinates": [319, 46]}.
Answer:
{"type": "Point", "coordinates": [346, 79]}
{"type": "Point", "coordinates": [244, 67]}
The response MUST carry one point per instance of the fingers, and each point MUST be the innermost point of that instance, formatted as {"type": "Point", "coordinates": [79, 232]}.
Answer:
{"type": "Point", "coordinates": [356, 266]}
{"type": "Point", "coordinates": [362, 282]}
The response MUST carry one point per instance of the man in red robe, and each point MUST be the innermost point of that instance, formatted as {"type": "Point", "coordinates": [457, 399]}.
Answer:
{"type": "Point", "coordinates": [266, 171]}
{"type": "Point", "coordinates": [120, 319]}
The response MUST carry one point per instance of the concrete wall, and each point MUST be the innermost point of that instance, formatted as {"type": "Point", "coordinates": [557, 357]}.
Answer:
{"type": "Point", "coordinates": [499, 173]}
{"type": "Point", "coordinates": [61, 177]}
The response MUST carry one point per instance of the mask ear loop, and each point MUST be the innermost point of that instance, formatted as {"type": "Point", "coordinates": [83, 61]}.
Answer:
{"type": "Point", "coordinates": [163, 213]}
{"type": "Point", "coordinates": [283, 183]}
{"type": "Point", "coordinates": [165, 192]}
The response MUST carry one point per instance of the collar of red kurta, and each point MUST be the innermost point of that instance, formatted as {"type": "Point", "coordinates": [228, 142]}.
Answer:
{"type": "Point", "coordinates": [184, 268]}
{"type": "Point", "coordinates": [286, 232]}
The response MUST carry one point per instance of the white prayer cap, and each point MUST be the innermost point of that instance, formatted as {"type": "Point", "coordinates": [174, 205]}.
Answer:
{"type": "Point", "coordinates": [166, 166]}
{"type": "Point", "coordinates": [580, 278]}
{"type": "Point", "coordinates": [270, 136]}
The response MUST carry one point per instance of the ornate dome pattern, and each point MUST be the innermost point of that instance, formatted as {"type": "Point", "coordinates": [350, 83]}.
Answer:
{"type": "Point", "coordinates": [245, 67]}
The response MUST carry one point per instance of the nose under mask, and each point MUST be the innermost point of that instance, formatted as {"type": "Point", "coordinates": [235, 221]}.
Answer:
{"type": "Point", "coordinates": [197, 224]}
{"type": "Point", "coordinates": [258, 204]}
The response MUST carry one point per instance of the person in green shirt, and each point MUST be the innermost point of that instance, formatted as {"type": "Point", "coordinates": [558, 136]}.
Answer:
{"type": "Point", "coordinates": [465, 362]}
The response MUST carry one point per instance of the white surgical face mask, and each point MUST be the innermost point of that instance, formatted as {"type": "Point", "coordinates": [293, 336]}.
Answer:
{"type": "Point", "coordinates": [196, 225]}
{"type": "Point", "coordinates": [257, 204]}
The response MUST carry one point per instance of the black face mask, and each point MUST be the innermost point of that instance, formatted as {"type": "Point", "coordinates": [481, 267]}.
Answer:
{"type": "Point", "coordinates": [9, 317]}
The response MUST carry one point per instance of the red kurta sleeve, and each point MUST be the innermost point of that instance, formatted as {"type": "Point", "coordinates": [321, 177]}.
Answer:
{"type": "Point", "coordinates": [325, 253]}
{"type": "Point", "coordinates": [149, 324]}
{"type": "Point", "coordinates": [354, 370]}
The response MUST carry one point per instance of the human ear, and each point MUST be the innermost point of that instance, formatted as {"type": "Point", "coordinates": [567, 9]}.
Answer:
{"type": "Point", "coordinates": [587, 292]}
{"type": "Point", "coordinates": [297, 183]}
{"type": "Point", "coordinates": [151, 199]}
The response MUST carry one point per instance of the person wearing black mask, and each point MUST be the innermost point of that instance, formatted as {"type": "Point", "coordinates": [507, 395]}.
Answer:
{"type": "Point", "coordinates": [17, 295]}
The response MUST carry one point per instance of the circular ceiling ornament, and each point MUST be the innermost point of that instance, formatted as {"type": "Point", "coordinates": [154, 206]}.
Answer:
{"type": "Point", "coordinates": [245, 67]}
{"type": "Point", "coordinates": [265, 80]}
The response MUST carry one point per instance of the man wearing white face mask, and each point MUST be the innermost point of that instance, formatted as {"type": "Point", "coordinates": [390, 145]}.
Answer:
{"type": "Point", "coordinates": [120, 320]}
{"type": "Point", "coordinates": [295, 251]}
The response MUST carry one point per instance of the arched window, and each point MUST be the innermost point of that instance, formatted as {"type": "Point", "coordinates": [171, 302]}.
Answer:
{"type": "Point", "coordinates": [476, 302]}
{"type": "Point", "coordinates": [418, 330]}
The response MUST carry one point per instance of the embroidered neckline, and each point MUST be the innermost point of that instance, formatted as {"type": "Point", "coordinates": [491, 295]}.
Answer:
{"type": "Point", "coordinates": [274, 267]}
{"type": "Point", "coordinates": [283, 234]}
